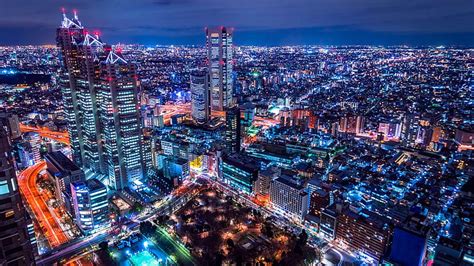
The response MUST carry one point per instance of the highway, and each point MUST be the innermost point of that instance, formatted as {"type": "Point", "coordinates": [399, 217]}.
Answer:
{"type": "Point", "coordinates": [62, 137]}
{"type": "Point", "coordinates": [49, 225]}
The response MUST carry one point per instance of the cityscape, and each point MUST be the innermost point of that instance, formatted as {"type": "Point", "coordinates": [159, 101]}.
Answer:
{"type": "Point", "coordinates": [224, 152]}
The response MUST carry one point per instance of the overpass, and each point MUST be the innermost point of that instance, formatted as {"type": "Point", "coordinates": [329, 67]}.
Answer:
{"type": "Point", "coordinates": [62, 137]}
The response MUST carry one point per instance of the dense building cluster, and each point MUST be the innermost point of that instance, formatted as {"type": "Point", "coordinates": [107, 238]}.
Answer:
{"type": "Point", "coordinates": [369, 150]}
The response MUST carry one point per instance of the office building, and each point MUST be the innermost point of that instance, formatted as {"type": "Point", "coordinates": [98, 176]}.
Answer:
{"type": "Point", "coordinates": [232, 131]}
{"type": "Point", "coordinates": [64, 172]}
{"type": "Point", "coordinates": [240, 172]}
{"type": "Point", "coordinates": [200, 111]}
{"type": "Point", "coordinates": [15, 245]}
{"type": "Point", "coordinates": [99, 90]}
{"type": "Point", "coordinates": [464, 136]}
{"type": "Point", "coordinates": [91, 206]}
{"type": "Point", "coordinates": [219, 56]}
{"type": "Point", "coordinates": [289, 197]}
{"type": "Point", "coordinates": [120, 121]}
{"type": "Point", "coordinates": [248, 115]}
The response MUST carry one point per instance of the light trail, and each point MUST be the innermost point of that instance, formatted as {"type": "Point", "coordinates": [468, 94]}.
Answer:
{"type": "Point", "coordinates": [62, 137]}
{"type": "Point", "coordinates": [27, 185]}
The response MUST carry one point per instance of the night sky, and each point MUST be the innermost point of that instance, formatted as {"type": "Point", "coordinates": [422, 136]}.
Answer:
{"type": "Point", "coordinates": [256, 22]}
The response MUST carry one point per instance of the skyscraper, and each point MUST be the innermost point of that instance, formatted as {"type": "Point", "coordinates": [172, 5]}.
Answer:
{"type": "Point", "coordinates": [219, 56]}
{"type": "Point", "coordinates": [200, 96]}
{"type": "Point", "coordinates": [120, 121]}
{"type": "Point", "coordinates": [232, 131]}
{"type": "Point", "coordinates": [69, 35]}
{"type": "Point", "coordinates": [99, 90]}
{"type": "Point", "coordinates": [15, 247]}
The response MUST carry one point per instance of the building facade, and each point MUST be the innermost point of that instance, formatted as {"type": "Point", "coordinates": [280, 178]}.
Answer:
{"type": "Point", "coordinates": [99, 89]}
{"type": "Point", "coordinates": [91, 206]}
{"type": "Point", "coordinates": [200, 111]}
{"type": "Point", "coordinates": [289, 198]}
{"type": "Point", "coordinates": [365, 232]}
{"type": "Point", "coordinates": [232, 131]}
{"type": "Point", "coordinates": [64, 172]}
{"type": "Point", "coordinates": [15, 245]}
{"type": "Point", "coordinates": [219, 56]}
{"type": "Point", "coordinates": [239, 172]}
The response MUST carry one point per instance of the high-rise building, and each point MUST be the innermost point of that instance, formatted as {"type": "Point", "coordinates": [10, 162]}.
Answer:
{"type": "Point", "coordinates": [99, 90]}
{"type": "Point", "coordinates": [232, 131]}
{"type": "Point", "coordinates": [200, 96]}
{"type": "Point", "coordinates": [69, 35]}
{"type": "Point", "coordinates": [15, 246]}
{"type": "Point", "coordinates": [120, 121]}
{"type": "Point", "coordinates": [91, 205]}
{"type": "Point", "coordinates": [219, 55]}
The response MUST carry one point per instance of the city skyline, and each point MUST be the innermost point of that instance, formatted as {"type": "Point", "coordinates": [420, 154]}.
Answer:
{"type": "Point", "coordinates": [226, 154]}
{"type": "Point", "coordinates": [262, 23]}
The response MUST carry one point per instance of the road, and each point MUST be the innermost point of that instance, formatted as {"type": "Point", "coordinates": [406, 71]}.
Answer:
{"type": "Point", "coordinates": [62, 137]}
{"type": "Point", "coordinates": [76, 246]}
{"type": "Point", "coordinates": [50, 226]}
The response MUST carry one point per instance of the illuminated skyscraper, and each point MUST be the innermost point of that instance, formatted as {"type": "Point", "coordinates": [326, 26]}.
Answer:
{"type": "Point", "coordinates": [120, 121]}
{"type": "Point", "coordinates": [99, 90]}
{"type": "Point", "coordinates": [15, 246]}
{"type": "Point", "coordinates": [219, 55]}
{"type": "Point", "coordinates": [232, 131]}
{"type": "Point", "coordinates": [68, 35]}
{"type": "Point", "coordinates": [200, 96]}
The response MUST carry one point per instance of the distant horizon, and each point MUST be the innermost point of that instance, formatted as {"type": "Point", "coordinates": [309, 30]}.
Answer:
{"type": "Point", "coordinates": [256, 22]}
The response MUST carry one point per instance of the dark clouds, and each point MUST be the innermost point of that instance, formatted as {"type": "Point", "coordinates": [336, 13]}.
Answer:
{"type": "Point", "coordinates": [262, 22]}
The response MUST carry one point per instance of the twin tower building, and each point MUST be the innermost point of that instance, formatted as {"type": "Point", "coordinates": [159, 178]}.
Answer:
{"type": "Point", "coordinates": [100, 93]}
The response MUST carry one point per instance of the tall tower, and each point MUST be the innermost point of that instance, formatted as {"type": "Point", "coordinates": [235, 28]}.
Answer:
{"type": "Point", "coordinates": [232, 131]}
{"type": "Point", "coordinates": [69, 34]}
{"type": "Point", "coordinates": [200, 96]}
{"type": "Point", "coordinates": [219, 56]}
{"type": "Point", "coordinates": [100, 97]}
{"type": "Point", "coordinates": [120, 121]}
{"type": "Point", "coordinates": [15, 247]}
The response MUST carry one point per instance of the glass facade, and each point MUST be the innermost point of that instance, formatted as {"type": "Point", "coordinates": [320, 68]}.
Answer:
{"type": "Point", "coordinates": [90, 204]}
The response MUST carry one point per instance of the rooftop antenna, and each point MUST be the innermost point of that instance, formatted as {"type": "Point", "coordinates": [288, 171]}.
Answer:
{"type": "Point", "coordinates": [63, 10]}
